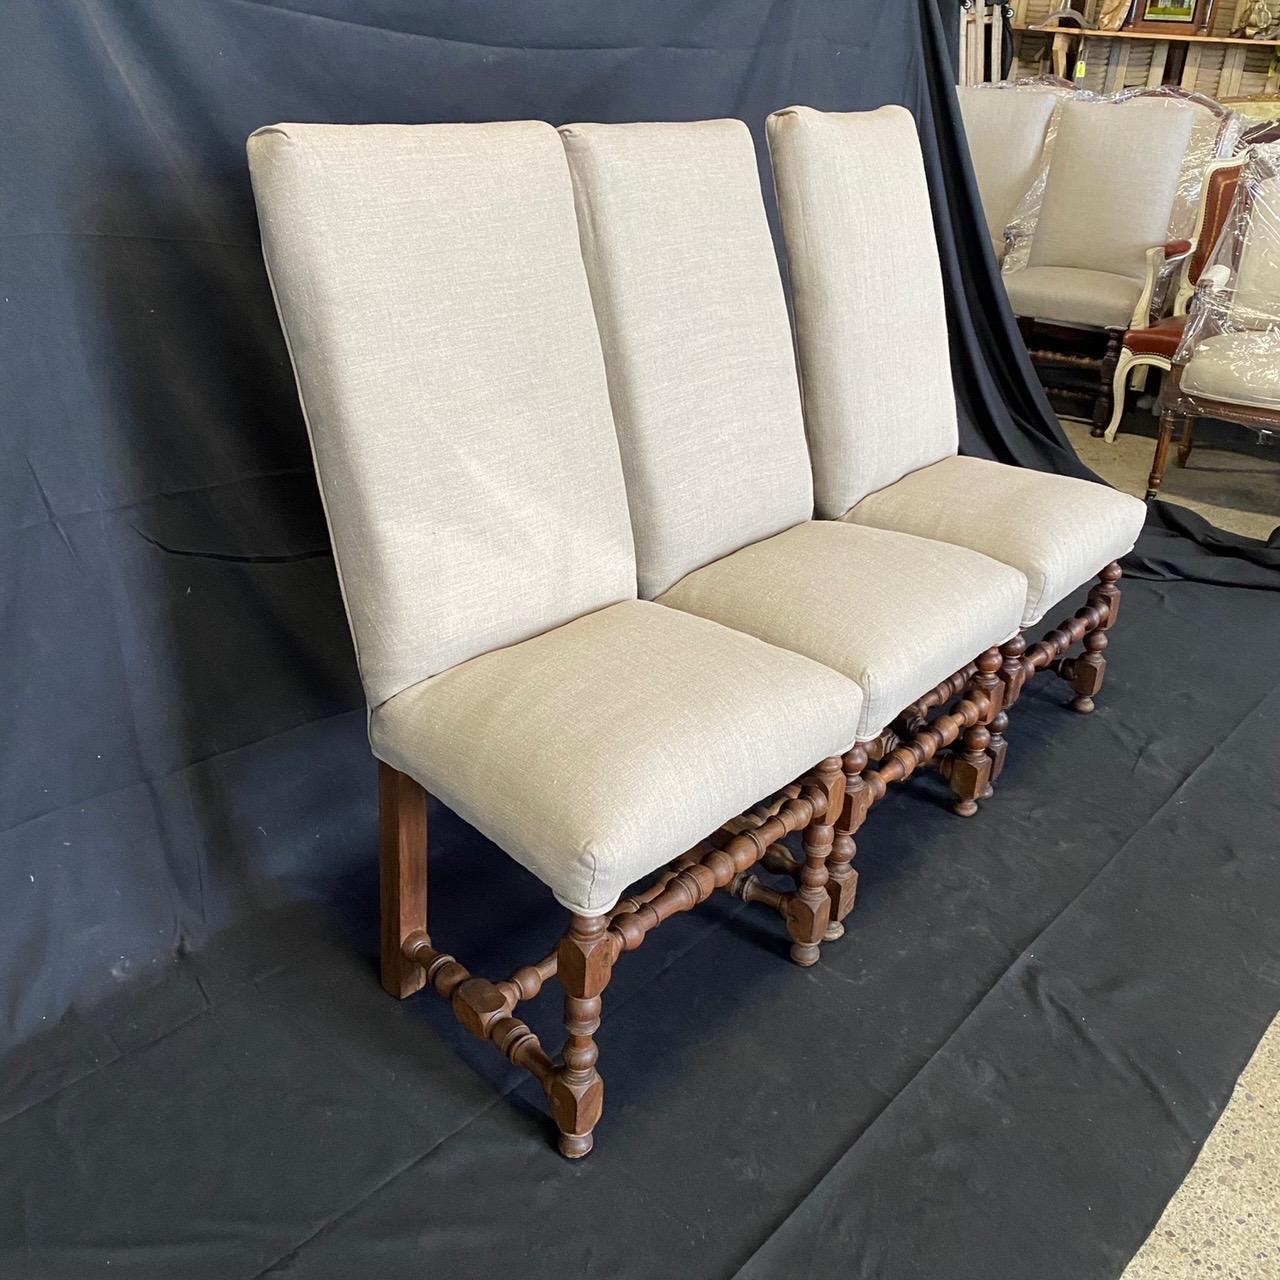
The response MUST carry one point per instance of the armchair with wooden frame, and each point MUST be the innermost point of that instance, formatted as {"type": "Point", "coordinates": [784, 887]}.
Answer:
{"type": "Point", "coordinates": [1227, 365]}
{"type": "Point", "coordinates": [1099, 256]}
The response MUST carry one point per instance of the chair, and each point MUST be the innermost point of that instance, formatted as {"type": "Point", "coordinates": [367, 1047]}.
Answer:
{"type": "Point", "coordinates": [1007, 127]}
{"type": "Point", "coordinates": [881, 411]}
{"type": "Point", "coordinates": [434, 304]}
{"type": "Point", "coordinates": [702, 378]}
{"type": "Point", "coordinates": [1154, 345]}
{"type": "Point", "coordinates": [1227, 365]}
{"type": "Point", "coordinates": [1101, 241]}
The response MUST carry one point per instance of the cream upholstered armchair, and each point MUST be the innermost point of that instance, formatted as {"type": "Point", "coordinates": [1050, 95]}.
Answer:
{"type": "Point", "coordinates": [881, 415]}
{"type": "Point", "coordinates": [436, 310]}
{"type": "Point", "coordinates": [1228, 363]}
{"type": "Point", "coordinates": [1101, 243]}
{"type": "Point", "coordinates": [702, 378]}
{"type": "Point", "coordinates": [1007, 127]}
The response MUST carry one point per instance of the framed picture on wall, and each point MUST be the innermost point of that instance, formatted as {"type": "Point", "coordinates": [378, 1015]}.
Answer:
{"type": "Point", "coordinates": [1173, 17]}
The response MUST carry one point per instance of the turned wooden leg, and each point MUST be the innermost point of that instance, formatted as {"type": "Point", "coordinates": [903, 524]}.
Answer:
{"type": "Point", "coordinates": [809, 908]}
{"type": "Point", "coordinates": [970, 770]}
{"type": "Point", "coordinates": [1186, 442]}
{"type": "Point", "coordinates": [1011, 677]}
{"type": "Point", "coordinates": [402, 822]}
{"type": "Point", "coordinates": [584, 966]}
{"type": "Point", "coordinates": [1168, 421]}
{"type": "Point", "coordinates": [842, 878]}
{"type": "Point", "coordinates": [1102, 405]}
{"type": "Point", "coordinates": [1088, 670]}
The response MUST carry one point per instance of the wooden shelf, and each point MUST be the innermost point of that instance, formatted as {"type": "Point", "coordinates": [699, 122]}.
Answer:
{"type": "Point", "coordinates": [1091, 32]}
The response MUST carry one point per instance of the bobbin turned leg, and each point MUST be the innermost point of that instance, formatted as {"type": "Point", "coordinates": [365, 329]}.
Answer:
{"type": "Point", "coordinates": [1086, 673]}
{"type": "Point", "coordinates": [809, 908]}
{"type": "Point", "coordinates": [402, 845]}
{"type": "Point", "coordinates": [970, 770]}
{"type": "Point", "coordinates": [584, 966]}
{"type": "Point", "coordinates": [842, 878]}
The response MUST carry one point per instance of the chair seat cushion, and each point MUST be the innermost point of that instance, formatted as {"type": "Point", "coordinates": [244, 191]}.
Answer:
{"type": "Point", "coordinates": [1236, 368]}
{"type": "Point", "coordinates": [1068, 295]}
{"type": "Point", "coordinates": [895, 613]}
{"type": "Point", "coordinates": [595, 753]}
{"type": "Point", "coordinates": [1057, 530]}
{"type": "Point", "coordinates": [1159, 339]}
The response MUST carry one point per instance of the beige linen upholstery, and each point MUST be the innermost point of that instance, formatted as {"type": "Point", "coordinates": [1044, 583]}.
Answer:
{"type": "Point", "coordinates": [1236, 368]}
{"type": "Point", "coordinates": [450, 374]}
{"type": "Point", "coordinates": [1255, 296]}
{"type": "Point", "coordinates": [653, 202]}
{"type": "Point", "coordinates": [1108, 199]}
{"type": "Point", "coordinates": [877, 375]}
{"type": "Point", "coordinates": [701, 371]}
{"type": "Point", "coordinates": [1006, 129]}
{"type": "Point", "coordinates": [1072, 296]}
{"type": "Point", "coordinates": [1057, 530]}
{"type": "Point", "coordinates": [432, 292]}
{"type": "Point", "coordinates": [896, 614]}
{"type": "Point", "coordinates": [607, 747]}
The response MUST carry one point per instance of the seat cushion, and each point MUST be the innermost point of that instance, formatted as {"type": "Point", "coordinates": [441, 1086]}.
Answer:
{"type": "Point", "coordinates": [1236, 368]}
{"type": "Point", "coordinates": [1056, 530]}
{"type": "Point", "coordinates": [596, 753]}
{"type": "Point", "coordinates": [1071, 296]}
{"type": "Point", "coordinates": [895, 613]}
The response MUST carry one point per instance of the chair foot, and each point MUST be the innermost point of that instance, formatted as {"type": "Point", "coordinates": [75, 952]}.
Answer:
{"type": "Point", "coordinates": [1083, 705]}
{"type": "Point", "coordinates": [965, 808]}
{"type": "Point", "coordinates": [808, 909]}
{"type": "Point", "coordinates": [573, 1146]}
{"type": "Point", "coordinates": [835, 931]}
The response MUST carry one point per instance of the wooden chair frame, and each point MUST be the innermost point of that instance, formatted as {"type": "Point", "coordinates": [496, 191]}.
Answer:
{"type": "Point", "coordinates": [584, 959]}
{"type": "Point", "coordinates": [829, 805]}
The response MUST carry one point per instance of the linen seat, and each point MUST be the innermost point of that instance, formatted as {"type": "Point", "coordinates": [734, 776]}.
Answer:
{"type": "Point", "coordinates": [687, 712]}
{"type": "Point", "coordinates": [881, 415]}
{"type": "Point", "coordinates": [434, 303]}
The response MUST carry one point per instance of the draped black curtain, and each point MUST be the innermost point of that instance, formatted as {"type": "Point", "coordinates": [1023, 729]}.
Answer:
{"type": "Point", "coordinates": [182, 736]}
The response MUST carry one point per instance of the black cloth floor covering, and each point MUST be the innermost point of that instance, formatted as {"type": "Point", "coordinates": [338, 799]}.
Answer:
{"type": "Point", "coordinates": [1003, 1070]}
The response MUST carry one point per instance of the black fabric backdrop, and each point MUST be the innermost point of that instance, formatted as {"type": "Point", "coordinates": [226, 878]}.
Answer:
{"type": "Point", "coordinates": [182, 744]}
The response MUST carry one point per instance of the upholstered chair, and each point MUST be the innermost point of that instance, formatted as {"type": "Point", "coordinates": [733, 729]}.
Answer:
{"type": "Point", "coordinates": [435, 307]}
{"type": "Point", "coordinates": [702, 377]}
{"type": "Point", "coordinates": [881, 411]}
{"type": "Point", "coordinates": [1228, 363]}
{"type": "Point", "coordinates": [1101, 242]}
{"type": "Point", "coordinates": [1007, 127]}
{"type": "Point", "coordinates": [1153, 346]}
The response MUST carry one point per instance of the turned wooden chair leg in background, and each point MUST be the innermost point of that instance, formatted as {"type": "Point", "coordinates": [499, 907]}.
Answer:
{"type": "Point", "coordinates": [1168, 424]}
{"type": "Point", "coordinates": [1010, 676]}
{"type": "Point", "coordinates": [402, 838]}
{"type": "Point", "coordinates": [809, 908]}
{"type": "Point", "coordinates": [970, 770]}
{"type": "Point", "coordinates": [842, 877]}
{"type": "Point", "coordinates": [1103, 404]}
{"type": "Point", "coordinates": [584, 966]}
{"type": "Point", "coordinates": [1186, 442]}
{"type": "Point", "coordinates": [1086, 673]}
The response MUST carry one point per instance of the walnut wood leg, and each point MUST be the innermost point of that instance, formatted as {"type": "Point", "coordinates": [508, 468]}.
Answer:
{"type": "Point", "coordinates": [1010, 676]}
{"type": "Point", "coordinates": [1102, 405]}
{"type": "Point", "coordinates": [808, 910]}
{"type": "Point", "coordinates": [1186, 442]}
{"type": "Point", "coordinates": [402, 822]}
{"type": "Point", "coordinates": [584, 966]}
{"type": "Point", "coordinates": [1168, 422]}
{"type": "Point", "coordinates": [842, 878]}
{"type": "Point", "coordinates": [970, 770]}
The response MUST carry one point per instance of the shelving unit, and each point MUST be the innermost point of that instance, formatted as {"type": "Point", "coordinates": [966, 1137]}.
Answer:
{"type": "Point", "coordinates": [1218, 63]}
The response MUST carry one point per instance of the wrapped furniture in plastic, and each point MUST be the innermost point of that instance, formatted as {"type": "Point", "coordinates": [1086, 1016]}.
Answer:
{"type": "Point", "coordinates": [1228, 363]}
{"type": "Point", "coordinates": [1009, 128]}
{"type": "Point", "coordinates": [1100, 250]}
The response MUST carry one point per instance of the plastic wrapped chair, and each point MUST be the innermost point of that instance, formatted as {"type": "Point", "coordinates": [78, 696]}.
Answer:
{"type": "Point", "coordinates": [1227, 365]}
